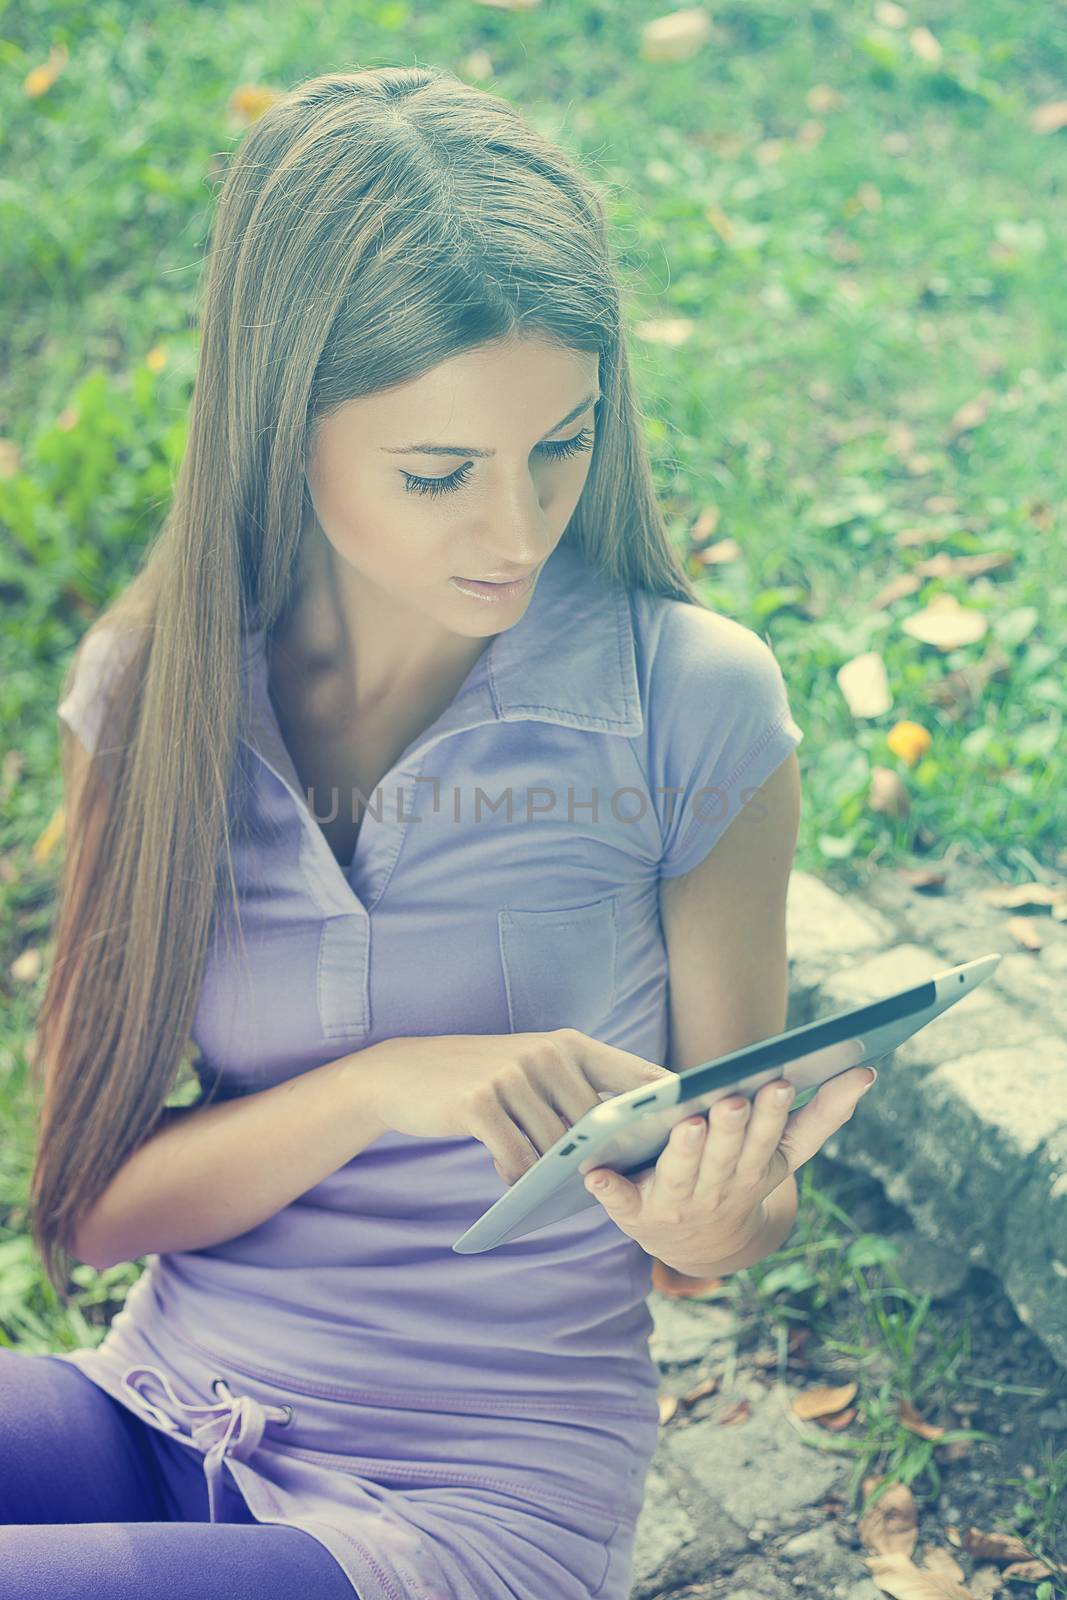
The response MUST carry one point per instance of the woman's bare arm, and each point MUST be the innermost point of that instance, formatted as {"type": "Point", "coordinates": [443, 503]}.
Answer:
{"type": "Point", "coordinates": [213, 1172]}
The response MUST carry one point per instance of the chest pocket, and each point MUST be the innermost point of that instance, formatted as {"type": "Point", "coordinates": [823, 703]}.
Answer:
{"type": "Point", "coordinates": [559, 966]}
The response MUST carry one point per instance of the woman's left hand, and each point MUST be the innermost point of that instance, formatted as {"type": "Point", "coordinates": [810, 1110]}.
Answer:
{"type": "Point", "coordinates": [703, 1201]}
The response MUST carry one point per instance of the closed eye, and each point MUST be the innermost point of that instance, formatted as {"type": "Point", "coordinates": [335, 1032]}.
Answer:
{"type": "Point", "coordinates": [556, 450]}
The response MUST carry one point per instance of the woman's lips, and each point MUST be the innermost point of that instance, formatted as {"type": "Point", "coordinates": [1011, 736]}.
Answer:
{"type": "Point", "coordinates": [481, 590]}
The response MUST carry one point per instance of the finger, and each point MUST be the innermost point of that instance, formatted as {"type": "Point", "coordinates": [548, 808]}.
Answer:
{"type": "Point", "coordinates": [743, 1143]}
{"type": "Point", "coordinates": [678, 1163]}
{"type": "Point", "coordinates": [727, 1128]}
{"type": "Point", "coordinates": [621, 1199]}
{"type": "Point", "coordinates": [608, 1066]}
{"type": "Point", "coordinates": [770, 1113]}
{"type": "Point", "coordinates": [829, 1110]}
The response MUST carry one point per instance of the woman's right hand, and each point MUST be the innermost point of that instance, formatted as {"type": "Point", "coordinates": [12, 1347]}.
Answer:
{"type": "Point", "coordinates": [516, 1092]}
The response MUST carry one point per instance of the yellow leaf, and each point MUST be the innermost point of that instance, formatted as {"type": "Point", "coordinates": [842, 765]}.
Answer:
{"type": "Point", "coordinates": [40, 79]}
{"type": "Point", "coordinates": [250, 100]}
{"type": "Point", "coordinates": [47, 840]}
{"type": "Point", "coordinates": [909, 740]}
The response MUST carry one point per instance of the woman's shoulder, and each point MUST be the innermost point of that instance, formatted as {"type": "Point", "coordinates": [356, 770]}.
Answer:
{"type": "Point", "coordinates": [682, 645]}
{"type": "Point", "coordinates": [99, 659]}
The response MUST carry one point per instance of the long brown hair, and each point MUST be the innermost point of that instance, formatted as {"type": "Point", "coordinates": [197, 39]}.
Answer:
{"type": "Point", "coordinates": [371, 225]}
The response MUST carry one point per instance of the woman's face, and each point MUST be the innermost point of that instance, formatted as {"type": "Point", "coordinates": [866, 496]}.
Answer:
{"type": "Point", "coordinates": [491, 500]}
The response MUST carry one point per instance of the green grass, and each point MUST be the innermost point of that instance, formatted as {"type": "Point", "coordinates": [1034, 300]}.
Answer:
{"type": "Point", "coordinates": [851, 285]}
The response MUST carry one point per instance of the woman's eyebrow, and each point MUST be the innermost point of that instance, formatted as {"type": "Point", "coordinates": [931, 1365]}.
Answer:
{"type": "Point", "coordinates": [470, 450]}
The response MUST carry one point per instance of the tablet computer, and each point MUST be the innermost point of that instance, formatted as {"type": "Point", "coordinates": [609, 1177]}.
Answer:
{"type": "Point", "coordinates": [628, 1131]}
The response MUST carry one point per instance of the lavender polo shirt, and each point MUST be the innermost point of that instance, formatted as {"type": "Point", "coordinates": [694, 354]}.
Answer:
{"type": "Point", "coordinates": [505, 879]}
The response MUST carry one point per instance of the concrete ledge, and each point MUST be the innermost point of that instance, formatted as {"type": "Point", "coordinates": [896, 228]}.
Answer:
{"type": "Point", "coordinates": [966, 1127]}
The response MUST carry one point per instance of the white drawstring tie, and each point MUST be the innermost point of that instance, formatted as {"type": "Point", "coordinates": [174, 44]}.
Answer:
{"type": "Point", "coordinates": [233, 1426]}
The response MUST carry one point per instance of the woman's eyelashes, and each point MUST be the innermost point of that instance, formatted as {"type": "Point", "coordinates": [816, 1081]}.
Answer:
{"type": "Point", "coordinates": [558, 450]}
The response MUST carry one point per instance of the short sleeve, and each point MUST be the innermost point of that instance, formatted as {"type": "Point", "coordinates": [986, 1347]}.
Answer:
{"type": "Point", "coordinates": [98, 661]}
{"type": "Point", "coordinates": [718, 722]}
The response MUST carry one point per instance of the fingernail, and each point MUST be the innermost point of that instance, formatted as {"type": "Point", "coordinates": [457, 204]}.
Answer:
{"type": "Point", "coordinates": [870, 1085]}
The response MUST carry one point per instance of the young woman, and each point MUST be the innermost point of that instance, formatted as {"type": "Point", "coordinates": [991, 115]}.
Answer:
{"type": "Point", "coordinates": [423, 866]}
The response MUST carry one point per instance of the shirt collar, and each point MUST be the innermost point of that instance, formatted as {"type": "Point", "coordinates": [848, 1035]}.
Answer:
{"type": "Point", "coordinates": [570, 659]}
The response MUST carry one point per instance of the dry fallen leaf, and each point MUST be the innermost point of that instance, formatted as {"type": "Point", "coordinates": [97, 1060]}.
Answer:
{"type": "Point", "coordinates": [887, 793]}
{"type": "Point", "coordinates": [942, 1561]}
{"type": "Point", "coordinates": [823, 1400]}
{"type": "Point", "coordinates": [720, 222]}
{"type": "Point", "coordinates": [943, 565]}
{"type": "Point", "coordinates": [959, 692]}
{"type": "Point", "coordinates": [897, 1576]}
{"type": "Point", "coordinates": [864, 684]}
{"type": "Point", "coordinates": [1050, 117]}
{"type": "Point", "coordinates": [896, 589]}
{"type": "Point", "coordinates": [971, 414]}
{"type": "Point", "coordinates": [998, 1547]}
{"type": "Point", "coordinates": [1027, 1571]}
{"type": "Point", "coordinates": [705, 525]}
{"type": "Point", "coordinates": [722, 550]}
{"type": "Point", "coordinates": [925, 45]}
{"type": "Point", "coordinates": [665, 330]}
{"type": "Point", "coordinates": [838, 1423]}
{"type": "Point", "coordinates": [1011, 896]}
{"type": "Point", "coordinates": [914, 1423]}
{"type": "Point", "coordinates": [1024, 933]}
{"type": "Point", "coordinates": [738, 1413]}
{"type": "Point", "coordinates": [946, 624]}
{"type": "Point", "coordinates": [478, 65]}
{"type": "Point", "coordinates": [954, 1450]}
{"type": "Point", "coordinates": [705, 1387]}
{"type": "Point", "coordinates": [26, 968]}
{"type": "Point", "coordinates": [676, 36]}
{"type": "Point", "coordinates": [890, 1527]}
{"type": "Point", "coordinates": [986, 1583]}
{"type": "Point", "coordinates": [822, 97]}
{"type": "Point", "coordinates": [668, 1405]}
{"type": "Point", "coordinates": [909, 538]}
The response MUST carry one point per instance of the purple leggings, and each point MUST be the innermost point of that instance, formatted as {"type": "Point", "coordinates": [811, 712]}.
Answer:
{"type": "Point", "coordinates": [97, 1505]}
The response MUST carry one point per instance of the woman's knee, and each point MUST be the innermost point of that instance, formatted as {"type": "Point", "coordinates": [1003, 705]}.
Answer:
{"type": "Point", "coordinates": [155, 1561]}
{"type": "Point", "coordinates": [67, 1452]}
